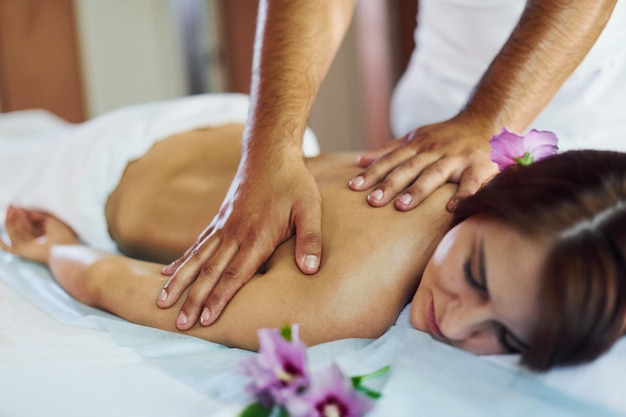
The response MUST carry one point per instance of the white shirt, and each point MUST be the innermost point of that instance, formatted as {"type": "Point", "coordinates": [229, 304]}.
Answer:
{"type": "Point", "coordinates": [456, 40]}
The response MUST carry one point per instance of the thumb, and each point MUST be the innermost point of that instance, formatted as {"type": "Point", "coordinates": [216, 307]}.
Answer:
{"type": "Point", "coordinates": [468, 185]}
{"type": "Point", "coordinates": [309, 240]}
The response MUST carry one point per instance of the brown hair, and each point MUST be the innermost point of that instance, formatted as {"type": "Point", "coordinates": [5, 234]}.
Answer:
{"type": "Point", "coordinates": [578, 200]}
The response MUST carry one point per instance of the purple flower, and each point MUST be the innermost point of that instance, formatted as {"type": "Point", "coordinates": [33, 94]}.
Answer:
{"type": "Point", "coordinates": [508, 148]}
{"type": "Point", "coordinates": [279, 369]}
{"type": "Point", "coordinates": [329, 395]}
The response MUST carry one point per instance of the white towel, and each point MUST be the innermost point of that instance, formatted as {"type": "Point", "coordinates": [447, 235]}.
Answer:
{"type": "Point", "coordinates": [70, 170]}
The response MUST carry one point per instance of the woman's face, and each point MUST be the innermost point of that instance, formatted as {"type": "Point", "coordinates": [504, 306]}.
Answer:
{"type": "Point", "coordinates": [480, 289]}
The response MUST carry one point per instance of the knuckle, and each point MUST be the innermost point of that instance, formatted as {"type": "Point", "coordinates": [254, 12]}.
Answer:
{"type": "Point", "coordinates": [194, 299]}
{"type": "Point", "coordinates": [230, 274]}
{"type": "Point", "coordinates": [217, 301]}
{"type": "Point", "coordinates": [208, 269]}
{"type": "Point", "coordinates": [436, 170]}
{"type": "Point", "coordinates": [390, 183]}
{"type": "Point", "coordinates": [408, 166]}
{"type": "Point", "coordinates": [418, 189]}
{"type": "Point", "coordinates": [178, 283]}
{"type": "Point", "coordinates": [311, 238]}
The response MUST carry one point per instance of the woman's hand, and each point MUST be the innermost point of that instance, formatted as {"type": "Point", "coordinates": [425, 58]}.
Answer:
{"type": "Point", "coordinates": [413, 167]}
{"type": "Point", "coordinates": [269, 200]}
{"type": "Point", "coordinates": [34, 232]}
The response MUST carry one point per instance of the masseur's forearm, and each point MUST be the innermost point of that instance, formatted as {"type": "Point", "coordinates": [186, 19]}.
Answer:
{"type": "Point", "coordinates": [295, 43]}
{"type": "Point", "coordinates": [549, 42]}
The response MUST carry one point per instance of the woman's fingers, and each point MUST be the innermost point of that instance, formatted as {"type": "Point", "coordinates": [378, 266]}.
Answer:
{"type": "Point", "coordinates": [4, 247]}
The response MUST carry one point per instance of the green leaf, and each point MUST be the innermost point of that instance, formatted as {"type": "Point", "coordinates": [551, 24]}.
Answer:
{"type": "Point", "coordinates": [285, 332]}
{"type": "Point", "coordinates": [369, 392]}
{"type": "Point", "coordinates": [256, 410]}
{"type": "Point", "coordinates": [357, 382]}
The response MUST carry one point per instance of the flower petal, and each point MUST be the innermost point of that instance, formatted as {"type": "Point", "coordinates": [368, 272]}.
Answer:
{"type": "Point", "coordinates": [329, 391]}
{"type": "Point", "coordinates": [508, 148]}
{"type": "Point", "coordinates": [279, 369]}
{"type": "Point", "coordinates": [535, 138]}
{"type": "Point", "coordinates": [505, 147]}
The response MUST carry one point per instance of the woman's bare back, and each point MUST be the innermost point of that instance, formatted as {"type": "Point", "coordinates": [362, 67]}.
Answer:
{"type": "Point", "coordinates": [371, 262]}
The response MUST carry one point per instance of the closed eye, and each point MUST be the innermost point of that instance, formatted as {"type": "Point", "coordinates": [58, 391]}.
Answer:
{"type": "Point", "coordinates": [470, 278]}
{"type": "Point", "coordinates": [510, 342]}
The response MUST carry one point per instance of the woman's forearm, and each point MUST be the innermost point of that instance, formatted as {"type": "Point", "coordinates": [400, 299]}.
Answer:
{"type": "Point", "coordinates": [80, 270]}
{"type": "Point", "coordinates": [549, 42]}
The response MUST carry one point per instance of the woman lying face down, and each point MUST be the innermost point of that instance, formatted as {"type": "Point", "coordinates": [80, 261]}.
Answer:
{"type": "Point", "coordinates": [534, 262]}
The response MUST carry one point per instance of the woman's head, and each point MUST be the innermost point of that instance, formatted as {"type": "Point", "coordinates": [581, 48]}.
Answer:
{"type": "Point", "coordinates": [569, 214]}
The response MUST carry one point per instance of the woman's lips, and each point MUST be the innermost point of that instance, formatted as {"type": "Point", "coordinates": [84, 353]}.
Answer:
{"type": "Point", "coordinates": [431, 322]}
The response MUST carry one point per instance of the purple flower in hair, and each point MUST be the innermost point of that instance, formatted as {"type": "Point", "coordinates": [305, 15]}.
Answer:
{"type": "Point", "coordinates": [508, 148]}
{"type": "Point", "coordinates": [279, 370]}
{"type": "Point", "coordinates": [330, 394]}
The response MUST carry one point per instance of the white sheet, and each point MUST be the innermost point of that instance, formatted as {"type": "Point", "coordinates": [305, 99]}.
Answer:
{"type": "Point", "coordinates": [61, 358]}
{"type": "Point", "coordinates": [70, 170]}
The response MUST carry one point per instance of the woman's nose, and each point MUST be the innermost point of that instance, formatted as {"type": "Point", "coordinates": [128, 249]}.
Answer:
{"type": "Point", "coordinates": [464, 322]}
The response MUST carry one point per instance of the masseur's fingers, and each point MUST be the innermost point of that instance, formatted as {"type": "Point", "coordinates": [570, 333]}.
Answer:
{"type": "Point", "coordinates": [364, 160]}
{"type": "Point", "coordinates": [471, 180]}
{"type": "Point", "coordinates": [425, 159]}
{"type": "Point", "coordinates": [169, 270]}
{"type": "Point", "coordinates": [239, 271]}
{"type": "Point", "coordinates": [263, 208]}
{"type": "Point", "coordinates": [392, 155]}
{"type": "Point", "coordinates": [210, 260]}
{"type": "Point", "coordinates": [433, 175]}
{"type": "Point", "coordinates": [187, 269]}
{"type": "Point", "coordinates": [308, 223]}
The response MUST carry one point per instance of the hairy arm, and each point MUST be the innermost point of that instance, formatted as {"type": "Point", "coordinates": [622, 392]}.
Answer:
{"type": "Point", "coordinates": [273, 195]}
{"type": "Point", "coordinates": [295, 44]}
{"type": "Point", "coordinates": [550, 40]}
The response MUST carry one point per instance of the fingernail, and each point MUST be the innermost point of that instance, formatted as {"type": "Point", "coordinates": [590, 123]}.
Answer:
{"type": "Point", "coordinates": [376, 195]}
{"type": "Point", "coordinates": [182, 319]}
{"type": "Point", "coordinates": [357, 182]}
{"type": "Point", "coordinates": [310, 261]}
{"type": "Point", "coordinates": [406, 199]}
{"type": "Point", "coordinates": [206, 315]}
{"type": "Point", "coordinates": [163, 295]}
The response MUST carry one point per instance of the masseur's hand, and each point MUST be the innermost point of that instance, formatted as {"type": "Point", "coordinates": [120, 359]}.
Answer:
{"type": "Point", "coordinates": [270, 199]}
{"type": "Point", "coordinates": [411, 168]}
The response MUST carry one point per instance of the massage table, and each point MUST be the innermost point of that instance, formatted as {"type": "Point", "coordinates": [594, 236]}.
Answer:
{"type": "Point", "coordinates": [61, 358]}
